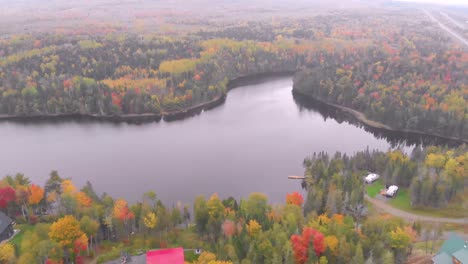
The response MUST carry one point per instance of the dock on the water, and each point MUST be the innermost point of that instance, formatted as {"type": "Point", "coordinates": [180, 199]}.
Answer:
{"type": "Point", "coordinates": [296, 177]}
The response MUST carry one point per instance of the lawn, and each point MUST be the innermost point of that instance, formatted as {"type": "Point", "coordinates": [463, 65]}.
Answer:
{"type": "Point", "coordinates": [421, 245]}
{"type": "Point", "coordinates": [402, 202]}
{"type": "Point", "coordinates": [19, 237]}
{"type": "Point", "coordinates": [374, 188]}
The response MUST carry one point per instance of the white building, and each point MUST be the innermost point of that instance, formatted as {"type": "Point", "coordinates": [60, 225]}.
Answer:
{"type": "Point", "coordinates": [371, 178]}
{"type": "Point", "coordinates": [391, 191]}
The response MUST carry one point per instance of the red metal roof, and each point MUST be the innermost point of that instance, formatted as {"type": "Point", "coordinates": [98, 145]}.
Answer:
{"type": "Point", "coordinates": [165, 256]}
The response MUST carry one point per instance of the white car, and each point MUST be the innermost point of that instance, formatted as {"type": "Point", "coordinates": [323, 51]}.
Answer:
{"type": "Point", "coordinates": [391, 191]}
{"type": "Point", "coordinates": [371, 178]}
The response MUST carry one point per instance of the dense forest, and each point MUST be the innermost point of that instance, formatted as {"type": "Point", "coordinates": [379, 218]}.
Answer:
{"type": "Point", "coordinates": [332, 224]}
{"type": "Point", "coordinates": [406, 76]}
{"type": "Point", "coordinates": [410, 80]}
{"type": "Point", "coordinates": [434, 176]}
{"type": "Point", "coordinates": [62, 224]}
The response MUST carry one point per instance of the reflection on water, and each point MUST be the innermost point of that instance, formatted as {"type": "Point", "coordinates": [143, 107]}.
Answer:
{"type": "Point", "coordinates": [395, 138]}
{"type": "Point", "coordinates": [251, 143]}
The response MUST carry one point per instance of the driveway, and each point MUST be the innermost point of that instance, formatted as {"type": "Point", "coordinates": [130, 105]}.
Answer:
{"type": "Point", "coordinates": [382, 205]}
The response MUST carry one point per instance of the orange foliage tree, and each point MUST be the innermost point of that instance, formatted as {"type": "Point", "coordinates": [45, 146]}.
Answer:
{"type": "Point", "coordinates": [83, 199]}
{"type": "Point", "coordinates": [294, 198]}
{"type": "Point", "coordinates": [36, 194]}
{"type": "Point", "coordinates": [121, 211]}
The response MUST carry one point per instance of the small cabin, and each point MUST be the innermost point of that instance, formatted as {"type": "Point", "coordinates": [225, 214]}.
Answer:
{"type": "Point", "coordinates": [371, 178]}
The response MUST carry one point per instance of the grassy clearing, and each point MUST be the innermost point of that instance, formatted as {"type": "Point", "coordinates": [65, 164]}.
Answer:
{"type": "Point", "coordinates": [421, 245]}
{"type": "Point", "coordinates": [374, 188]}
{"type": "Point", "coordinates": [19, 237]}
{"type": "Point", "coordinates": [402, 201]}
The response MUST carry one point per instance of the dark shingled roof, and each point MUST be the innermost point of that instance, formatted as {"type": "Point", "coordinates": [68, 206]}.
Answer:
{"type": "Point", "coordinates": [5, 221]}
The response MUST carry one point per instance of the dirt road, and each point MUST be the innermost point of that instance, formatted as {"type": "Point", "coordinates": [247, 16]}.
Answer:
{"type": "Point", "coordinates": [412, 217]}
{"type": "Point", "coordinates": [447, 29]}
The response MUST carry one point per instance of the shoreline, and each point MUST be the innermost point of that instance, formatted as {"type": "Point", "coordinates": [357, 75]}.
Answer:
{"type": "Point", "coordinates": [361, 117]}
{"type": "Point", "coordinates": [150, 117]}
{"type": "Point", "coordinates": [197, 109]}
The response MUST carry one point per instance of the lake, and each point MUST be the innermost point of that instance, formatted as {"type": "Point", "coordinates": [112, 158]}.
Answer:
{"type": "Point", "coordinates": [251, 143]}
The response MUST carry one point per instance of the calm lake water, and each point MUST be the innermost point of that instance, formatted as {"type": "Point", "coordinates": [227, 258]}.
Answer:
{"type": "Point", "coordinates": [251, 143]}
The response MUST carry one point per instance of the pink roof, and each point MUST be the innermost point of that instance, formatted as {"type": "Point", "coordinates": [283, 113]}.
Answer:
{"type": "Point", "coordinates": [165, 256]}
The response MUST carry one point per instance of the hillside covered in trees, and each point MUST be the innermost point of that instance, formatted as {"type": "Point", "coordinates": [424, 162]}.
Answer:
{"type": "Point", "coordinates": [402, 75]}
{"type": "Point", "coordinates": [410, 80]}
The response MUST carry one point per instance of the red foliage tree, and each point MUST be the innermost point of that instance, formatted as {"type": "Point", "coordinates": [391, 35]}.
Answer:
{"type": "Point", "coordinates": [7, 195]}
{"type": "Point", "coordinates": [117, 100]}
{"type": "Point", "coordinates": [294, 198]}
{"type": "Point", "coordinates": [301, 244]}
{"type": "Point", "coordinates": [229, 228]}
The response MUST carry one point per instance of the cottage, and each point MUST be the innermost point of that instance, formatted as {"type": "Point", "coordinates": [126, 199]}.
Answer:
{"type": "Point", "coordinates": [6, 226]}
{"type": "Point", "coordinates": [453, 251]}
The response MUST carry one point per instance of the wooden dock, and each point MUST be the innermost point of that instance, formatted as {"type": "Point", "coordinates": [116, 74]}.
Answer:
{"type": "Point", "coordinates": [296, 177]}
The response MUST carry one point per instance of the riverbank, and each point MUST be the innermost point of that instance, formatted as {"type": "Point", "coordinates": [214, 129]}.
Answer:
{"type": "Point", "coordinates": [361, 118]}
{"type": "Point", "coordinates": [150, 117]}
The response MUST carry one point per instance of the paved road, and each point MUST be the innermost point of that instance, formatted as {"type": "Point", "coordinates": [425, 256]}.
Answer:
{"type": "Point", "coordinates": [382, 205]}
{"type": "Point", "coordinates": [444, 27]}
{"type": "Point", "coordinates": [456, 23]}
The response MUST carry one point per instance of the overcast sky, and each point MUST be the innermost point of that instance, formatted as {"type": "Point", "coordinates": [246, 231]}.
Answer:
{"type": "Point", "coordinates": [442, 2]}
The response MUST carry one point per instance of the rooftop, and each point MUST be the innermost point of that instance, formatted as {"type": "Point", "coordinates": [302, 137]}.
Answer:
{"type": "Point", "coordinates": [462, 255]}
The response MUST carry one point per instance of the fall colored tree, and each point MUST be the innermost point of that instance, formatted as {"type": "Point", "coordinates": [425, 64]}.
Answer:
{"type": "Point", "coordinates": [7, 195]}
{"type": "Point", "coordinates": [65, 231]}
{"type": "Point", "coordinates": [68, 187]}
{"type": "Point", "coordinates": [332, 243]}
{"type": "Point", "coordinates": [301, 244]}
{"type": "Point", "coordinates": [83, 199]}
{"type": "Point", "coordinates": [121, 211]}
{"type": "Point", "coordinates": [253, 228]}
{"type": "Point", "coordinates": [229, 228]}
{"type": "Point", "coordinates": [399, 239]}
{"type": "Point", "coordinates": [36, 194]}
{"type": "Point", "coordinates": [150, 220]}
{"type": "Point", "coordinates": [7, 253]}
{"type": "Point", "coordinates": [294, 198]}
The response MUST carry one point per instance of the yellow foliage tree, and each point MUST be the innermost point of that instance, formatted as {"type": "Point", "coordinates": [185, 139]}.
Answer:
{"type": "Point", "coordinates": [150, 220]}
{"type": "Point", "coordinates": [253, 228]}
{"type": "Point", "coordinates": [52, 197]}
{"type": "Point", "coordinates": [332, 244]}
{"type": "Point", "coordinates": [7, 253]}
{"type": "Point", "coordinates": [68, 187]}
{"type": "Point", "coordinates": [65, 231]}
{"type": "Point", "coordinates": [399, 238]}
{"type": "Point", "coordinates": [436, 161]}
{"type": "Point", "coordinates": [209, 258]}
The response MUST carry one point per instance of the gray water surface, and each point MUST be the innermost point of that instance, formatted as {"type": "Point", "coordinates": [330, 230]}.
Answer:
{"type": "Point", "coordinates": [251, 143]}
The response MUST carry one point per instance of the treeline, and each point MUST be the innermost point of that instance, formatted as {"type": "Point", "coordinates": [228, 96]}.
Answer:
{"type": "Point", "coordinates": [119, 74]}
{"type": "Point", "coordinates": [434, 176]}
{"type": "Point", "coordinates": [127, 74]}
{"type": "Point", "coordinates": [410, 80]}
{"type": "Point", "coordinates": [63, 224]}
